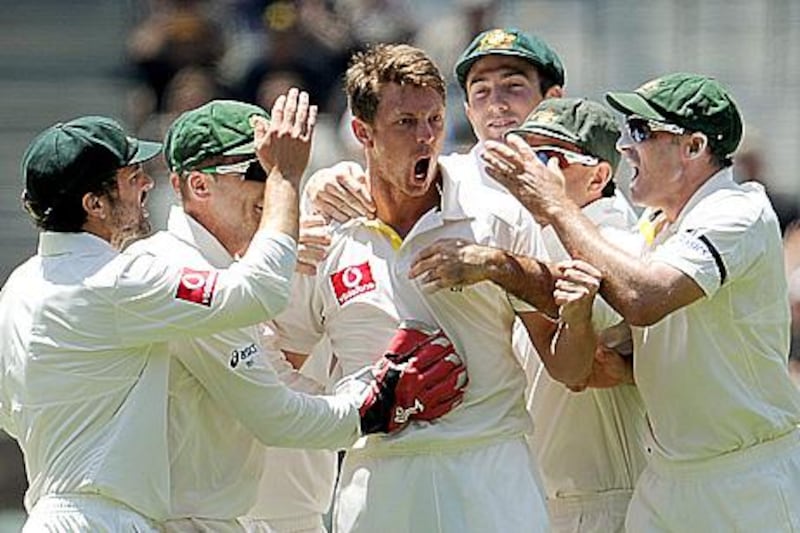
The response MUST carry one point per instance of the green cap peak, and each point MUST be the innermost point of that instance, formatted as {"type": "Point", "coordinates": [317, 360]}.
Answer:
{"type": "Point", "coordinates": [692, 101]}
{"type": "Point", "coordinates": [510, 42]}
{"type": "Point", "coordinates": [220, 127]}
{"type": "Point", "coordinates": [588, 125]}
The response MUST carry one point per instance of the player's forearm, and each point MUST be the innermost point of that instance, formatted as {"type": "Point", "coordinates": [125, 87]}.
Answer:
{"type": "Point", "coordinates": [627, 285]}
{"type": "Point", "coordinates": [281, 204]}
{"type": "Point", "coordinates": [572, 353]}
{"type": "Point", "coordinates": [526, 278]}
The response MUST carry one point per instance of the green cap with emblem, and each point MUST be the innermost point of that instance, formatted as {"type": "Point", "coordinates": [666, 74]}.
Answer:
{"type": "Point", "coordinates": [510, 42]}
{"type": "Point", "coordinates": [75, 157]}
{"type": "Point", "coordinates": [588, 125]}
{"type": "Point", "coordinates": [220, 127]}
{"type": "Point", "coordinates": [691, 101]}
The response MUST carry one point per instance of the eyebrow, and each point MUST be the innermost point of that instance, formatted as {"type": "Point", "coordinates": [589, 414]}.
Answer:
{"type": "Point", "coordinates": [505, 72]}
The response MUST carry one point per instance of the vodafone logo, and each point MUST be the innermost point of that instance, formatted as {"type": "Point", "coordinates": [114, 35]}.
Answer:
{"type": "Point", "coordinates": [193, 280]}
{"type": "Point", "coordinates": [197, 286]}
{"type": "Point", "coordinates": [352, 277]}
{"type": "Point", "coordinates": [352, 281]}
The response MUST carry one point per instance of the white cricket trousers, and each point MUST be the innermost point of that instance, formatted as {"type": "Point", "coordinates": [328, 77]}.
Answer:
{"type": "Point", "coordinates": [73, 513]}
{"type": "Point", "coordinates": [602, 512]}
{"type": "Point", "coordinates": [486, 488]}
{"type": "Point", "coordinates": [756, 489]}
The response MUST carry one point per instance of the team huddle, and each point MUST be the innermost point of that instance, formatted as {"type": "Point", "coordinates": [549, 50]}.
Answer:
{"type": "Point", "coordinates": [500, 344]}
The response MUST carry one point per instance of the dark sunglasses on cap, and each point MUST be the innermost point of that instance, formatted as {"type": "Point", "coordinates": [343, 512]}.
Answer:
{"type": "Point", "coordinates": [640, 129]}
{"type": "Point", "coordinates": [565, 157]}
{"type": "Point", "coordinates": [249, 169]}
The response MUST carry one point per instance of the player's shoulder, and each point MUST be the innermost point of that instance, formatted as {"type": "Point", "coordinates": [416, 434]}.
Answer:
{"type": "Point", "coordinates": [479, 200]}
{"type": "Point", "coordinates": [735, 205]}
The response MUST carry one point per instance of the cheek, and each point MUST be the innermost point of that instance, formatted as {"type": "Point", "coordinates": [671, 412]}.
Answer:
{"type": "Point", "coordinates": [524, 102]}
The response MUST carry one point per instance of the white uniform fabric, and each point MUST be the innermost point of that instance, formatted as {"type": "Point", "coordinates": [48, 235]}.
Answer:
{"type": "Point", "coordinates": [470, 168]}
{"type": "Point", "coordinates": [57, 514]}
{"type": "Point", "coordinates": [589, 445]}
{"type": "Point", "coordinates": [296, 487]}
{"type": "Point", "coordinates": [713, 374]}
{"type": "Point", "coordinates": [225, 394]}
{"type": "Point", "coordinates": [360, 293]}
{"type": "Point", "coordinates": [84, 365]}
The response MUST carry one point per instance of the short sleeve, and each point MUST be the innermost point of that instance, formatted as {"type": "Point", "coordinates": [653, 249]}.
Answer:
{"type": "Point", "coordinates": [718, 245]}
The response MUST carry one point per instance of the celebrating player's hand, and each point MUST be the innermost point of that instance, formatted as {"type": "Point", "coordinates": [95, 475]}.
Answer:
{"type": "Point", "coordinates": [575, 290]}
{"type": "Point", "coordinates": [537, 186]}
{"type": "Point", "coordinates": [421, 377]}
{"type": "Point", "coordinates": [341, 192]}
{"type": "Point", "coordinates": [312, 246]}
{"type": "Point", "coordinates": [285, 140]}
{"type": "Point", "coordinates": [451, 263]}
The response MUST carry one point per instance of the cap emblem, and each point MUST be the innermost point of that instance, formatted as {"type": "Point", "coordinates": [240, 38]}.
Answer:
{"type": "Point", "coordinates": [497, 39]}
{"type": "Point", "coordinates": [545, 116]}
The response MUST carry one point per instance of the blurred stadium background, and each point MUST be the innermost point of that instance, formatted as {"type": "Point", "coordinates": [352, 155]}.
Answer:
{"type": "Point", "coordinates": [143, 61]}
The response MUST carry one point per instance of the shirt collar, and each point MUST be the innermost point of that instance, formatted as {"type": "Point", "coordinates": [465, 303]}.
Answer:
{"type": "Point", "coordinates": [57, 243]}
{"type": "Point", "coordinates": [449, 192]}
{"type": "Point", "coordinates": [193, 233]}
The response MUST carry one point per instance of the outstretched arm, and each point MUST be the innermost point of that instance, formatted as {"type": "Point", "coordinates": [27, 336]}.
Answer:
{"type": "Point", "coordinates": [449, 263]}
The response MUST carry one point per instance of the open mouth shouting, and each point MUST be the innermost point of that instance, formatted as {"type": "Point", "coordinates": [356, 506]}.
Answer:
{"type": "Point", "coordinates": [421, 168]}
{"type": "Point", "coordinates": [143, 204]}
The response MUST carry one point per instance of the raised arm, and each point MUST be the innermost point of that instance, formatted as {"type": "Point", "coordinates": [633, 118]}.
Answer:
{"type": "Point", "coordinates": [642, 292]}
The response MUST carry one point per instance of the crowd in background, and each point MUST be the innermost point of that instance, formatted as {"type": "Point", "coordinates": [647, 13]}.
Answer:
{"type": "Point", "coordinates": [184, 53]}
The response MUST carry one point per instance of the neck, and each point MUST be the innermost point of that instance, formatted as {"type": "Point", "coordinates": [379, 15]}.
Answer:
{"type": "Point", "coordinates": [228, 239]}
{"type": "Point", "coordinates": [398, 210]}
{"type": "Point", "coordinates": [99, 229]}
{"type": "Point", "coordinates": [695, 178]}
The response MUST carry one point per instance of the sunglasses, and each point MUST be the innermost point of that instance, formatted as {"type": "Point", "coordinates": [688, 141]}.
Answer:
{"type": "Point", "coordinates": [249, 169]}
{"type": "Point", "coordinates": [565, 157]}
{"type": "Point", "coordinates": [641, 129]}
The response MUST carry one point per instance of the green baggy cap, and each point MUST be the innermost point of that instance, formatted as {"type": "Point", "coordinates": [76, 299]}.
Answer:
{"type": "Point", "coordinates": [510, 42]}
{"type": "Point", "coordinates": [220, 127]}
{"type": "Point", "coordinates": [76, 156]}
{"type": "Point", "coordinates": [692, 101]}
{"type": "Point", "coordinates": [588, 125]}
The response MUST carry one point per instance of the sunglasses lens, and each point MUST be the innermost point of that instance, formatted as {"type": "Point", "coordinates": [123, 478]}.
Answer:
{"type": "Point", "coordinates": [545, 156]}
{"type": "Point", "coordinates": [255, 172]}
{"type": "Point", "coordinates": [542, 156]}
{"type": "Point", "coordinates": [639, 130]}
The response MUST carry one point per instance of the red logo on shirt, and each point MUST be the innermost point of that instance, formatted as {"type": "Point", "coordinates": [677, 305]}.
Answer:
{"type": "Point", "coordinates": [352, 281]}
{"type": "Point", "coordinates": [197, 286]}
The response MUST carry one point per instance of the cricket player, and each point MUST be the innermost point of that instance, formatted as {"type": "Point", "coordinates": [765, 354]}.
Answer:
{"type": "Point", "coordinates": [505, 74]}
{"type": "Point", "coordinates": [85, 369]}
{"type": "Point", "coordinates": [708, 300]}
{"type": "Point", "coordinates": [589, 444]}
{"type": "Point", "coordinates": [367, 283]}
{"type": "Point", "coordinates": [217, 459]}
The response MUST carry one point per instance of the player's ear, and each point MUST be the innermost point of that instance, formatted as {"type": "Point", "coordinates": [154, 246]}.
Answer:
{"type": "Point", "coordinates": [601, 175]}
{"type": "Point", "coordinates": [94, 204]}
{"type": "Point", "coordinates": [697, 142]}
{"type": "Point", "coordinates": [198, 184]}
{"type": "Point", "coordinates": [556, 91]}
{"type": "Point", "coordinates": [362, 131]}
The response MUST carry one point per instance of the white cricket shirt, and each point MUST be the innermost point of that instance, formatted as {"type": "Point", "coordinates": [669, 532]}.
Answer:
{"type": "Point", "coordinates": [362, 290]}
{"type": "Point", "coordinates": [713, 374]}
{"type": "Point", "coordinates": [85, 364]}
{"type": "Point", "coordinates": [593, 441]}
{"type": "Point", "coordinates": [225, 394]}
